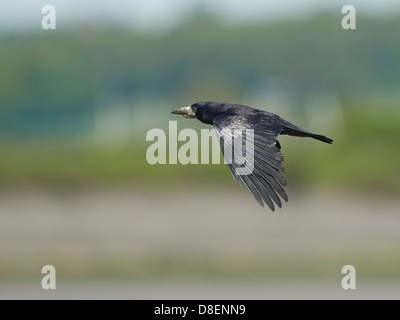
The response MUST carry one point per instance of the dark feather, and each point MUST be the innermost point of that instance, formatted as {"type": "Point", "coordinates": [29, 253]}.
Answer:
{"type": "Point", "coordinates": [266, 180]}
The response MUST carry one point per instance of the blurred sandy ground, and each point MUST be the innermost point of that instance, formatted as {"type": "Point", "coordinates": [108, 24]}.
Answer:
{"type": "Point", "coordinates": [197, 244]}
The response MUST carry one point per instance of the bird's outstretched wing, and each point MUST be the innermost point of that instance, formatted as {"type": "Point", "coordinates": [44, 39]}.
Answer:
{"type": "Point", "coordinates": [265, 182]}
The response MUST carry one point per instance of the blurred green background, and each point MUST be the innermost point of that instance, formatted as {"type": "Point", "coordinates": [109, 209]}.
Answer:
{"type": "Point", "coordinates": [76, 104]}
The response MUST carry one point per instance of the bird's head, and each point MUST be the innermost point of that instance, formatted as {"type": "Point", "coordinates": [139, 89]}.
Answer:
{"type": "Point", "coordinates": [204, 111]}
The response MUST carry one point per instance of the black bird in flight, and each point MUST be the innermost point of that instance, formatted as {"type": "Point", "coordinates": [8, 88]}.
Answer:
{"type": "Point", "coordinates": [266, 181]}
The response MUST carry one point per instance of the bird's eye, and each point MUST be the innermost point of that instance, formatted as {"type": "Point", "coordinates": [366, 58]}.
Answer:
{"type": "Point", "coordinates": [194, 108]}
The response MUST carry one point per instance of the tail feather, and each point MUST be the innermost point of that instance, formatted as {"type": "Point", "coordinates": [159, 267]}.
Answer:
{"type": "Point", "coordinates": [296, 131]}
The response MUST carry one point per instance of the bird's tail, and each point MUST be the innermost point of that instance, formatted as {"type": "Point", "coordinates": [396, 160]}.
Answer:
{"type": "Point", "coordinates": [292, 130]}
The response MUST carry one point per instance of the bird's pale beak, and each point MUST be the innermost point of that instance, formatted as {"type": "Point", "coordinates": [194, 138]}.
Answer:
{"type": "Point", "coordinates": [187, 112]}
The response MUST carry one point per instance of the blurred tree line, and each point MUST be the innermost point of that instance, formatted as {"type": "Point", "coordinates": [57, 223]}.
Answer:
{"type": "Point", "coordinates": [73, 68]}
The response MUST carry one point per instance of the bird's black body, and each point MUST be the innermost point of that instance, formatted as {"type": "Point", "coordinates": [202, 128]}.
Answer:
{"type": "Point", "coordinates": [266, 181]}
